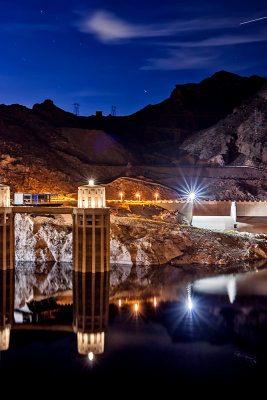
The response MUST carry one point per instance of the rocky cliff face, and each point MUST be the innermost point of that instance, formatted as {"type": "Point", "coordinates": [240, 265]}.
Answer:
{"type": "Point", "coordinates": [239, 139]}
{"type": "Point", "coordinates": [152, 243]}
{"type": "Point", "coordinates": [43, 239]}
{"type": "Point", "coordinates": [140, 236]}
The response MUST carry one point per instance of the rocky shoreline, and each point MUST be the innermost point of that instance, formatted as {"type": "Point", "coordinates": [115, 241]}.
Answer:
{"type": "Point", "coordinates": [143, 235]}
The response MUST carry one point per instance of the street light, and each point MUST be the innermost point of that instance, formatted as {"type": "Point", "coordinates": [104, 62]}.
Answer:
{"type": "Point", "coordinates": [138, 195]}
{"type": "Point", "coordinates": [121, 194]}
{"type": "Point", "coordinates": [156, 195]}
{"type": "Point", "coordinates": [192, 196]}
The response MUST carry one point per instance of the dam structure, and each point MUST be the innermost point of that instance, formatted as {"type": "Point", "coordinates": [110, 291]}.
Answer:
{"type": "Point", "coordinates": [219, 214]}
{"type": "Point", "coordinates": [91, 222]}
{"type": "Point", "coordinates": [91, 228]}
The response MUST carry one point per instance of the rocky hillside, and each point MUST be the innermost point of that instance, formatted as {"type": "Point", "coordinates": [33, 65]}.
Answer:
{"type": "Point", "coordinates": [238, 139]}
{"type": "Point", "coordinates": [147, 189]}
{"type": "Point", "coordinates": [36, 155]}
{"type": "Point", "coordinates": [220, 121]}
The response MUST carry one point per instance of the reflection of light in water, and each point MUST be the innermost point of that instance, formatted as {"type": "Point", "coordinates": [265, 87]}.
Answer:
{"type": "Point", "coordinates": [218, 285]}
{"type": "Point", "coordinates": [215, 285]}
{"type": "Point", "coordinates": [190, 304]}
{"type": "Point", "coordinates": [91, 356]}
{"type": "Point", "coordinates": [231, 289]}
{"type": "Point", "coordinates": [155, 302]}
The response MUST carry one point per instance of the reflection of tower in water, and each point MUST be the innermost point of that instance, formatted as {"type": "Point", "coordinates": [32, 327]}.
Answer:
{"type": "Point", "coordinates": [6, 306]}
{"type": "Point", "coordinates": [90, 311]}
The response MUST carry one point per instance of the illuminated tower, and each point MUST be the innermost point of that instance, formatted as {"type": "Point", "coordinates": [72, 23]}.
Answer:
{"type": "Point", "coordinates": [91, 228]}
{"type": "Point", "coordinates": [90, 311]}
{"type": "Point", "coordinates": [7, 253]}
{"type": "Point", "coordinates": [4, 196]}
{"type": "Point", "coordinates": [6, 307]}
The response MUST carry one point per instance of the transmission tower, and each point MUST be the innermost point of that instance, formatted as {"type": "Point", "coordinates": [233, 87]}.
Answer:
{"type": "Point", "coordinates": [113, 111]}
{"type": "Point", "coordinates": [76, 108]}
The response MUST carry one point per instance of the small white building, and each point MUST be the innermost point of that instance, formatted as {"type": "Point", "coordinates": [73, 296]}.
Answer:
{"type": "Point", "coordinates": [4, 196]}
{"type": "Point", "coordinates": [91, 196]}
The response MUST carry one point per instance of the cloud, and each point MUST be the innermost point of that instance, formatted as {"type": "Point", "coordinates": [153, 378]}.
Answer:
{"type": "Point", "coordinates": [173, 37]}
{"type": "Point", "coordinates": [226, 40]}
{"type": "Point", "coordinates": [181, 60]}
{"type": "Point", "coordinates": [107, 27]}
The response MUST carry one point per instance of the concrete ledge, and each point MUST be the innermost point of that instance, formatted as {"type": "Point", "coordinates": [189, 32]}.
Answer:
{"type": "Point", "coordinates": [251, 209]}
{"type": "Point", "coordinates": [41, 210]}
{"type": "Point", "coordinates": [222, 208]}
{"type": "Point", "coordinates": [220, 223]}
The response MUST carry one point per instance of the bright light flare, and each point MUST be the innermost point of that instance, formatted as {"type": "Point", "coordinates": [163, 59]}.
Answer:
{"type": "Point", "coordinates": [156, 195]}
{"type": "Point", "coordinates": [155, 302]}
{"type": "Point", "coordinates": [121, 194]}
{"type": "Point", "coordinates": [91, 356]}
{"type": "Point", "coordinates": [120, 303]}
{"type": "Point", "coordinates": [136, 307]}
{"type": "Point", "coordinates": [91, 182]}
{"type": "Point", "coordinates": [192, 192]}
{"type": "Point", "coordinates": [192, 196]}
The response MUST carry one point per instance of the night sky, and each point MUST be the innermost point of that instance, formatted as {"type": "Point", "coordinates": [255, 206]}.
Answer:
{"type": "Point", "coordinates": [123, 53]}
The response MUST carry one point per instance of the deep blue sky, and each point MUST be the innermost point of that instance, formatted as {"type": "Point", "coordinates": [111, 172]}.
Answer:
{"type": "Point", "coordinates": [124, 53]}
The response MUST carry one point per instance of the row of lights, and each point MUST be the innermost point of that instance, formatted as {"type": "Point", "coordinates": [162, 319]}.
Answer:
{"type": "Point", "coordinates": [136, 304]}
{"type": "Point", "coordinates": [139, 196]}
{"type": "Point", "coordinates": [191, 196]}
{"type": "Point", "coordinates": [188, 302]}
{"type": "Point", "coordinates": [136, 309]}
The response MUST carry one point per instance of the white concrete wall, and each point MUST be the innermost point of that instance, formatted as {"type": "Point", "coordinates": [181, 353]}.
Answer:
{"type": "Point", "coordinates": [214, 222]}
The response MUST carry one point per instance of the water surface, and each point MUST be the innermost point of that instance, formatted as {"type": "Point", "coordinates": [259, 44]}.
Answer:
{"type": "Point", "coordinates": [160, 327]}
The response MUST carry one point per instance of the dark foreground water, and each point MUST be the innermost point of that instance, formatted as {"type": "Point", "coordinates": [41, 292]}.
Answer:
{"type": "Point", "coordinates": [153, 329]}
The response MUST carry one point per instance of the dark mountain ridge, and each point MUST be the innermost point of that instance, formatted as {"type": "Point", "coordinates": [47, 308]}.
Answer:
{"type": "Point", "coordinates": [47, 148]}
{"type": "Point", "coordinates": [190, 108]}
